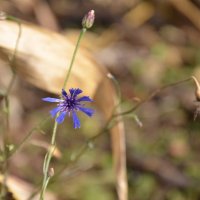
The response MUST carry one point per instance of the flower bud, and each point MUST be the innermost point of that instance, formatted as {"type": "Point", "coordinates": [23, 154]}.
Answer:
{"type": "Point", "coordinates": [51, 172]}
{"type": "Point", "coordinates": [88, 19]}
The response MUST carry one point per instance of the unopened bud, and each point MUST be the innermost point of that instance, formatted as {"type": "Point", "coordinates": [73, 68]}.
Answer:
{"type": "Point", "coordinates": [88, 19]}
{"type": "Point", "coordinates": [51, 172]}
{"type": "Point", "coordinates": [109, 75]}
{"type": "Point", "coordinates": [3, 16]}
{"type": "Point", "coordinates": [91, 145]}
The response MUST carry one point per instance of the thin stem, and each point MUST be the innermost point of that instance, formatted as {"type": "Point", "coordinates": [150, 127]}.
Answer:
{"type": "Point", "coordinates": [117, 88]}
{"type": "Point", "coordinates": [53, 139]}
{"type": "Point", "coordinates": [149, 97]}
{"type": "Point", "coordinates": [7, 111]}
{"type": "Point", "coordinates": [47, 161]}
{"type": "Point", "coordinates": [74, 55]}
{"type": "Point", "coordinates": [49, 154]}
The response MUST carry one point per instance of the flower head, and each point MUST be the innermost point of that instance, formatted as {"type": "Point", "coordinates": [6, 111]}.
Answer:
{"type": "Point", "coordinates": [70, 104]}
{"type": "Point", "coordinates": [88, 19]}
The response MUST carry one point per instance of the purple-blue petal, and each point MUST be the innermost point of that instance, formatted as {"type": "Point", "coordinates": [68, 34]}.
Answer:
{"type": "Point", "coordinates": [69, 102]}
{"type": "Point", "coordinates": [84, 98]}
{"type": "Point", "coordinates": [87, 111]}
{"type": "Point", "coordinates": [76, 120]}
{"type": "Point", "coordinates": [75, 92]}
{"type": "Point", "coordinates": [64, 93]}
{"type": "Point", "coordinates": [49, 99]}
{"type": "Point", "coordinates": [54, 111]}
{"type": "Point", "coordinates": [61, 117]}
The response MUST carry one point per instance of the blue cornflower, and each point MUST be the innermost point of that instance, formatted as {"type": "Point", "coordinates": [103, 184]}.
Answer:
{"type": "Point", "coordinates": [70, 104]}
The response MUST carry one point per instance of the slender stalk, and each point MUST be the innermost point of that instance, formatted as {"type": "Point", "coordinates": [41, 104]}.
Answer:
{"type": "Point", "coordinates": [7, 111]}
{"type": "Point", "coordinates": [73, 57]}
{"type": "Point", "coordinates": [149, 97]}
{"type": "Point", "coordinates": [49, 154]}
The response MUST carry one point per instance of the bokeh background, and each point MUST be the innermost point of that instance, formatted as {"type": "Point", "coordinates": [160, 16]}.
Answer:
{"type": "Point", "coordinates": [145, 45]}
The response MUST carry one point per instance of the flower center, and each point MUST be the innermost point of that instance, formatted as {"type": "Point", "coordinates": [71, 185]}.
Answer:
{"type": "Point", "coordinates": [70, 104]}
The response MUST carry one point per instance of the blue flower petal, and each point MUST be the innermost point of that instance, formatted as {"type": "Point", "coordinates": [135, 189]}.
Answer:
{"type": "Point", "coordinates": [61, 117]}
{"type": "Point", "coordinates": [75, 92]}
{"type": "Point", "coordinates": [76, 120]}
{"type": "Point", "coordinates": [64, 93]}
{"type": "Point", "coordinates": [84, 98]}
{"type": "Point", "coordinates": [49, 99]}
{"type": "Point", "coordinates": [54, 111]}
{"type": "Point", "coordinates": [87, 111]}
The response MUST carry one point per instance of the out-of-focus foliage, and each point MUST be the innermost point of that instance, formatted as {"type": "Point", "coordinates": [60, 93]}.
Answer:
{"type": "Point", "coordinates": [145, 44]}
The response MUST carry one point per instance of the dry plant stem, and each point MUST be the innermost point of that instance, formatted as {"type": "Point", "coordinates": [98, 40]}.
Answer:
{"type": "Point", "coordinates": [49, 154]}
{"type": "Point", "coordinates": [153, 94]}
{"type": "Point", "coordinates": [188, 9]}
{"type": "Point", "coordinates": [118, 91]}
{"type": "Point", "coordinates": [7, 110]}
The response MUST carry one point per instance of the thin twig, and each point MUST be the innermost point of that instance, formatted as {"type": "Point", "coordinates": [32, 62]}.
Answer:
{"type": "Point", "coordinates": [7, 110]}
{"type": "Point", "coordinates": [149, 97]}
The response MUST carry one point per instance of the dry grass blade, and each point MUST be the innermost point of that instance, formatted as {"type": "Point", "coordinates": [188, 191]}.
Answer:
{"type": "Point", "coordinates": [189, 10]}
{"type": "Point", "coordinates": [117, 136]}
{"type": "Point", "coordinates": [42, 58]}
{"type": "Point", "coordinates": [119, 146]}
{"type": "Point", "coordinates": [138, 15]}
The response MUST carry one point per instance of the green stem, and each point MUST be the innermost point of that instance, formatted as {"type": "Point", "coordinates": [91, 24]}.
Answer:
{"type": "Point", "coordinates": [74, 55]}
{"type": "Point", "coordinates": [47, 161]}
{"type": "Point", "coordinates": [53, 139]}
{"type": "Point", "coordinates": [7, 109]}
{"type": "Point", "coordinates": [49, 154]}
